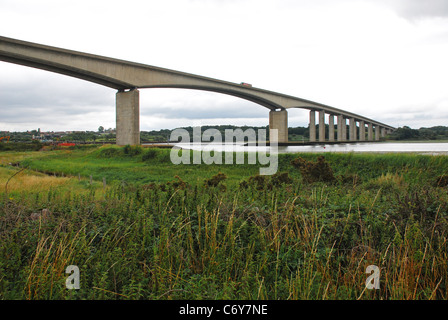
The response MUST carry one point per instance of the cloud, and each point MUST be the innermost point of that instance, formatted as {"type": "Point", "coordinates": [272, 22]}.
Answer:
{"type": "Point", "coordinates": [358, 55]}
{"type": "Point", "coordinates": [197, 104]}
{"type": "Point", "coordinates": [31, 98]}
{"type": "Point", "coordinates": [418, 9]}
{"type": "Point", "coordinates": [202, 112]}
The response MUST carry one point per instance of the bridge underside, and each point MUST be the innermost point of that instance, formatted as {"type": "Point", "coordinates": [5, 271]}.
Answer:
{"type": "Point", "coordinates": [127, 77]}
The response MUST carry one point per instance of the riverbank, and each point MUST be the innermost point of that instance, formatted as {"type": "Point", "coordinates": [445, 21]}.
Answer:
{"type": "Point", "coordinates": [164, 231]}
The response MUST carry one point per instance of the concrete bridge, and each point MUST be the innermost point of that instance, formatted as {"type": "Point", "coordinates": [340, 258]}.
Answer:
{"type": "Point", "coordinates": [127, 77]}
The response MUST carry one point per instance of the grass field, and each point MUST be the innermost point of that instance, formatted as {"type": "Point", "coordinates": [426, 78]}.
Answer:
{"type": "Point", "coordinates": [164, 231]}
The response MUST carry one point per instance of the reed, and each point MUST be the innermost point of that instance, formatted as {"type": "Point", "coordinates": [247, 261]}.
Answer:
{"type": "Point", "coordinates": [291, 239]}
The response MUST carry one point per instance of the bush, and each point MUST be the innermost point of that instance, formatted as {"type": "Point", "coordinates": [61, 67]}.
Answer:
{"type": "Point", "coordinates": [163, 156]}
{"type": "Point", "coordinates": [280, 178]}
{"type": "Point", "coordinates": [257, 181]}
{"type": "Point", "coordinates": [319, 171]}
{"type": "Point", "coordinates": [132, 150]}
{"type": "Point", "coordinates": [178, 183]}
{"type": "Point", "coordinates": [149, 155]}
{"type": "Point", "coordinates": [109, 152]}
{"type": "Point", "coordinates": [215, 180]}
{"type": "Point", "coordinates": [260, 182]}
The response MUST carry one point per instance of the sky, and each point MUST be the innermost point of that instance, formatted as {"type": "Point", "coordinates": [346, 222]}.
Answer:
{"type": "Point", "coordinates": [382, 59]}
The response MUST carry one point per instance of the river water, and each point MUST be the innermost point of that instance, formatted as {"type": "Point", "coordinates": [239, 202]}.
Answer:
{"type": "Point", "coordinates": [379, 147]}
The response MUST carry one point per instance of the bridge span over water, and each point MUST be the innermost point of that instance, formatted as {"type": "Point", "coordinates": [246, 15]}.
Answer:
{"type": "Point", "coordinates": [127, 77]}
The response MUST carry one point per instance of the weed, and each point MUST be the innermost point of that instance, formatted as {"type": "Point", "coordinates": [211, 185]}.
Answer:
{"type": "Point", "coordinates": [149, 236]}
{"type": "Point", "coordinates": [318, 171]}
{"type": "Point", "coordinates": [215, 180]}
{"type": "Point", "coordinates": [132, 150]}
{"type": "Point", "coordinates": [149, 154]}
{"type": "Point", "coordinates": [442, 181]}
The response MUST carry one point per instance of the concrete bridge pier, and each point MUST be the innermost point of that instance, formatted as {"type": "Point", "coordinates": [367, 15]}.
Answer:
{"type": "Point", "coordinates": [330, 127]}
{"type": "Point", "coordinates": [128, 117]}
{"type": "Point", "coordinates": [278, 120]}
{"type": "Point", "coordinates": [362, 131]}
{"type": "Point", "coordinates": [370, 132]}
{"type": "Point", "coordinates": [322, 125]}
{"type": "Point", "coordinates": [312, 126]}
{"type": "Point", "coordinates": [352, 129]}
{"type": "Point", "coordinates": [340, 127]}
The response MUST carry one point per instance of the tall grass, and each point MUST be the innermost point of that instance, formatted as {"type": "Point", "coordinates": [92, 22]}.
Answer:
{"type": "Point", "coordinates": [285, 240]}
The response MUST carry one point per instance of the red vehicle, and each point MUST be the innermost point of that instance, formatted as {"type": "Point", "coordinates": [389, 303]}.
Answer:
{"type": "Point", "coordinates": [246, 84]}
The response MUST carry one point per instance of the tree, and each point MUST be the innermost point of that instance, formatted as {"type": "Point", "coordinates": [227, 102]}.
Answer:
{"type": "Point", "coordinates": [405, 133]}
{"type": "Point", "coordinates": [101, 129]}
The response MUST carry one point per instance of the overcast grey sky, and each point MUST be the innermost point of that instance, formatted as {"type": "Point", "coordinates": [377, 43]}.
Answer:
{"type": "Point", "coordinates": [383, 59]}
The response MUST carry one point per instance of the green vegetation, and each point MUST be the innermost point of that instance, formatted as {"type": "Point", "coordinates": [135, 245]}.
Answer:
{"type": "Point", "coordinates": [433, 133]}
{"type": "Point", "coordinates": [108, 135]}
{"type": "Point", "coordinates": [12, 146]}
{"type": "Point", "coordinates": [163, 135]}
{"type": "Point", "coordinates": [164, 231]}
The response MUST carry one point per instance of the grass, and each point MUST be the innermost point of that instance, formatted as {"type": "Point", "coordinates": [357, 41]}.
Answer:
{"type": "Point", "coordinates": [234, 235]}
{"type": "Point", "coordinates": [115, 165]}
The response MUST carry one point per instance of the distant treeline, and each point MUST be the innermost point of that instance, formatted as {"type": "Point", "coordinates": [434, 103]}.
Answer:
{"type": "Point", "coordinates": [164, 135]}
{"type": "Point", "coordinates": [433, 133]}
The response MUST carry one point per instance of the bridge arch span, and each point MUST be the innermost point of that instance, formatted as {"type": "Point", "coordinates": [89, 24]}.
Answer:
{"type": "Point", "coordinates": [126, 77]}
{"type": "Point", "coordinates": [252, 98]}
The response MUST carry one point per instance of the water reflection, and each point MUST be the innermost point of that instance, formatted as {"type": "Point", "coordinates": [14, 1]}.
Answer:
{"type": "Point", "coordinates": [418, 147]}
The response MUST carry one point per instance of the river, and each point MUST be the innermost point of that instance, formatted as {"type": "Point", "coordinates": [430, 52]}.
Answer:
{"type": "Point", "coordinates": [379, 147]}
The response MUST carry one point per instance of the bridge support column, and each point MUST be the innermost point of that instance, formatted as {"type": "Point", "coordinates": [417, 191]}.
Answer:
{"type": "Point", "coordinates": [377, 132]}
{"type": "Point", "coordinates": [331, 128]}
{"type": "Point", "coordinates": [128, 117]}
{"type": "Point", "coordinates": [362, 131]}
{"type": "Point", "coordinates": [340, 127]}
{"type": "Point", "coordinates": [383, 132]}
{"type": "Point", "coordinates": [370, 132]}
{"type": "Point", "coordinates": [322, 126]}
{"type": "Point", "coordinates": [312, 126]}
{"type": "Point", "coordinates": [352, 129]}
{"type": "Point", "coordinates": [278, 120]}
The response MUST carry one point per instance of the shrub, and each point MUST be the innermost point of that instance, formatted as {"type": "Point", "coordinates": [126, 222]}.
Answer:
{"type": "Point", "coordinates": [149, 155]}
{"type": "Point", "coordinates": [109, 152]}
{"type": "Point", "coordinates": [280, 178]}
{"type": "Point", "coordinates": [132, 150]}
{"type": "Point", "coordinates": [178, 183]}
{"type": "Point", "coordinates": [258, 181]}
{"type": "Point", "coordinates": [163, 156]}
{"type": "Point", "coordinates": [215, 180]}
{"type": "Point", "coordinates": [319, 171]}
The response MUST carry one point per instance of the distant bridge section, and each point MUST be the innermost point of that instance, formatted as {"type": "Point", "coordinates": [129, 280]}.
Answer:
{"type": "Point", "coordinates": [127, 77]}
